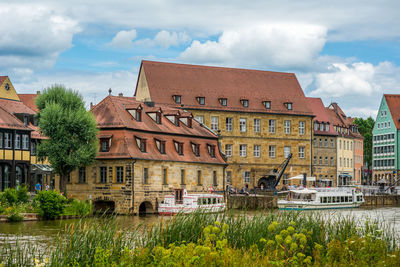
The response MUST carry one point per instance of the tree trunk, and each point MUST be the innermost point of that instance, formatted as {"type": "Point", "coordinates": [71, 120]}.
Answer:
{"type": "Point", "coordinates": [63, 183]}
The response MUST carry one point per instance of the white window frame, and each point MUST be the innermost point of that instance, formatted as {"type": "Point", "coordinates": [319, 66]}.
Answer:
{"type": "Point", "coordinates": [302, 127]}
{"type": "Point", "coordinates": [243, 151]}
{"type": "Point", "coordinates": [302, 152]}
{"type": "Point", "coordinates": [272, 151]}
{"type": "Point", "coordinates": [228, 150]}
{"type": "Point", "coordinates": [257, 125]}
{"type": "Point", "coordinates": [271, 126]}
{"type": "Point", "coordinates": [286, 151]}
{"type": "Point", "coordinates": [214, 123]}
{"type": "Point", "coordinates": [257, 151]}
{"type": "Point", "coordinates": [243, 125]}
{"type": "Point", "coordinates": [228, 124]}
{"type": "Point", "coordinates": [246, 177]}
{"type": "Point", "coordinates": [199, 118]}
{"type": "Point", "coordinates": [287, 126]}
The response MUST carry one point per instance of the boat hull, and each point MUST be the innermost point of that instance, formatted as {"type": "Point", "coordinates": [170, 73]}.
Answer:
{"type": "Point", "coordinates": [168, 210]}
{"type": "Point", "coordinates": [316, 206]}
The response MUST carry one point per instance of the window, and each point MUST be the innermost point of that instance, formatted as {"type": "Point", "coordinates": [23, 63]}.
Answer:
{"type": "Point", "coordinates": [165, 176]}
{"type": "Point", "coordinates": [199, 118]}
{"type": "Point", "coordinates": [160, 145]}
{"type": "Point", "coordinates": [332, 144]}
{"type": "Point", "coordinates": [33, 149]}
{"type": "Point", "coordinates": [315, 126]}
{"type": "Point", "coordinates": [199, 177]}
{"type": "Point", "coordinates": [177, 99]}
{"type": "Point", "coordinates": [320, 142]}
{"type": "Point", "coordinates": [103, 174]}
{"type": "Point", "coordinates": [82, 175]}
{"type": "Point", "coordinates": [289, 106]}
{"type": "Point", "coordinates": [215, 182]}
{"type": "Point", "coordinates": [8, 140]}
{"type": "Point", "coordinates": [315, 160]}
{"type": "Point", "coordinates": [229, 124]}
{"type": "Point", "coordinates": [348, 165]}
{"type": "Point", "coordinates": [196, 149]}
{"type": "Point", "coordinates": [327, 127]}
{"type": "Point", "coordinates": [246, 177]}
{"type": "Point", "coordinates": [287, 127]}
{"type": "Point", "coordinates": [1, 140]}
{"type": "Point", "coordinates": [257, 125]}
{"type": "Point", "coordinates": [242, 124]}
{"type": "Point", "coordinates": [267, 104]}
{"type": "Point", "coordinates": [25, 142]}
{"type": "Point", "coordinates": [331, 161]}
{"type": "Point", "coordinates": [271, 125]}
{"type": "Point", "coordinates": [302, 126]}
{"type": "Point", "coordinates": [257, 149]}
{"type": "Point", "coordinates": [158, 118]}
{"type": "Point", "coordinates": [388, 124]}
{"type": "Point", "coordinates": [245, 103]}
{"type": "Point", "coordinates": [228, 176]}
{"type": "Point", "coordinates": [315, 142]}
{"type": "Point", "coordinates": [104, 145]}
{"type": "Point", "coordinates": [351, 163]}
{"type": "Point", "coordinates": [138, 115]}
{"type": "Point", "coordinates": [271, 151]}
{"type": "Point", "coordinates": [228, 150]}
{"type": "Point", "coordinates": [211, 150]}
{"type": "Point", "coordinates": [223, 101]}
{"type": "Point", "coordinates": [286, 151]}
{"type": "Point", "coordinates": [351, 145]}
{"type": "Point", "coordinates": [26, 120]}
{"type": "Point", "coordinates": [183, 177]}
{"type": "Point", "coordinates": [141, 143]}
{"type": "Point", "coordinates": [326, 160]}
{"type": "Point", "coordinates": [320, 160]}
{"type": "Point", "coordinates": [301, 152]}
{"type": "Point", "coordinates": [119, 174]}
{"type": "Point", "coordinates": [243, 150]}
{"type": "Point", "coordinates": [326, 142]}
{"type": "Point", "coordinates": [17, 144]}
{"type": "Point", "coordinates": [145, 175]}
{"type": "Point", "coordinates": [179, 147]}
{"type": "Point", "coordinates": [214, 123]}
{"type": "Point", "coordinates": [340, 144]}
{"type": "Point", "coordinates": [201, 100]}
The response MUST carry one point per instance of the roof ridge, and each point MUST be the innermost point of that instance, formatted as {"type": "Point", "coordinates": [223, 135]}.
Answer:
{"type": "Point", "coordinates": [16, 118]}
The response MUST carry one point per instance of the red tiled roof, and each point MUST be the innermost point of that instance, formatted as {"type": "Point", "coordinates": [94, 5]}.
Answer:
{"type": "Point", "coordinates": [393, 102]}
{"type": "Point", "coordinates": [190, 81]}
{"type": "Point", "coordinates": [321, 115]}
{"type": "Point", "coordinates": [16, 107]}
{"type": "Point", "coordinates": [113, 119]}
{"type": "Point", "coordinates": [2, 79]}
{"type": "Point", "coordinates": [29, 100]}
{"type": "Point", "coordinates": [340, 119]}
{"type": "Point", "coordinates": [9, 121]}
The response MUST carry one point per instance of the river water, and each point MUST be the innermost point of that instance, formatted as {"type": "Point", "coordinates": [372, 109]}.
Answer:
{"type": "Point", "coordinates": [42, 231]}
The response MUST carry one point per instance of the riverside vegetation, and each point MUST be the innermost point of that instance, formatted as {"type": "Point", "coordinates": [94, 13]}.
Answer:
{"type": "Point", "coordinates": [268, 239]}
{"type": "Point", "coordinates": [48, 204]}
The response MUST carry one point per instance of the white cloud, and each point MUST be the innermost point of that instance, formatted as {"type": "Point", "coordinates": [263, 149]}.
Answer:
{"type": "Point", "coordinates": [33, 36]}
{"type": "Point", "coordinates": [165, 39]}
{"type": "Point", "coordinates": [123, 39]}
{"type": "Point", "coordinates": [270, 45]}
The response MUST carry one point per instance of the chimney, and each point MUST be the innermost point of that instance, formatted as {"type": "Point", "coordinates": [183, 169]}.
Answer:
{"type": "Point", "coordinates": [149, 103]}
{"type": "Point", "coordinates": [38, 92]}
{"type": "Point", "coordinates": [109, 91]}
{"type": "Point", "coordinates": [120, 94]}
{"type": "Point", "coordinates": [91, 105]}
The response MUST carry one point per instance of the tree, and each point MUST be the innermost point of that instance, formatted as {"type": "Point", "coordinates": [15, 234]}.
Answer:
{"type": "Point", "coordinates": [365, 128]}
{"type": "Point", "coordinates": [70, 128]}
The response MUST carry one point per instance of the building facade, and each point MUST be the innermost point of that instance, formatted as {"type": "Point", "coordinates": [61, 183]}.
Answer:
{"type": "Point", "coordinates": [146, 152]}
{"type": "Point", "coordinates": [324, 147]}
{"type": "Point", "coordinates": [261, 116]}
{"type": "Point", "coordinates": [347, 136]}
{"type": "Point", "coordinates": [385, 149]}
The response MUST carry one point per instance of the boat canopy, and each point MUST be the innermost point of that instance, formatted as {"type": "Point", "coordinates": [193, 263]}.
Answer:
{"type": "Point", "coordinates": [304, 191]}
{"type": "Point", "coordinates": [300, 177]}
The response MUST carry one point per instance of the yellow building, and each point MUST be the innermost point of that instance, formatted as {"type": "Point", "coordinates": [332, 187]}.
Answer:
{"type": "Point", "coordinates": [261, 116]}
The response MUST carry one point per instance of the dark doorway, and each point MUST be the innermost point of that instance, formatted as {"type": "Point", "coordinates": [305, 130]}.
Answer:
{"type": "Point", "coordinates": [103, 206]}
{"type": "Point", "coordinates": [145, 208]}
{"type": "Point", "coordinates": [267, 182]}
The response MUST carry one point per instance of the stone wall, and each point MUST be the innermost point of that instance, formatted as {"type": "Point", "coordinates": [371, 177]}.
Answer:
{"type": "Point", "coordinates": [252, 202]}
{"type": "Point", "coordinates": [384, 200]}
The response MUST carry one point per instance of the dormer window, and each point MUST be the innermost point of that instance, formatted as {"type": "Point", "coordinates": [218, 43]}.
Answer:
{"type": "Point", "coordinates": [105, 143]}
{"type": "Point", "coordinates": [173, 118]}
{"type": "Point", "coordinates": [160, 145]}
{"type": "Point", "coordinates": [223, 101]}
{"type": "Point", "coordinates": [155, 116]}
{"type": "Point", "coordinates": [177, 99]}
{"type": "Point", "coordinates": [267, 104]}
{"type": "Point", "coordinates": [138, 115]}
{"type": "Point", "coordinates": [289, 105]}
{"type": "Point", "coordinates": [179, 147]}
{"type": "Point", "coordinates": [187, 120]}
{"type": "Point", "coordinates": [158, 117]}
{"type": "Point", "coordinates": [141, 143]}
{"type": "Point", "coordinates": [211, 150]}
{"type": "Point", "coordinates": [201, 100]}
{"type": "Point", "coordinates": [196, 149]}
{"type": "Point", "coordinates": [245, 103]}
{"type": "Point", "coordinates": [136, 112]}
{"type": "Point", "coordinates": [26, 120]}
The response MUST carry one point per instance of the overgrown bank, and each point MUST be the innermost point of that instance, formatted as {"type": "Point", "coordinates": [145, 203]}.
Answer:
{"type": "Point", "coordinates": [280, 239]}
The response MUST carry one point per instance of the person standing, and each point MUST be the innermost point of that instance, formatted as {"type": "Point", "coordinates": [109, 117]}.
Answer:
{"type": "Point", "coordinates": [47, 187]}
{"type": "Point", "coordinates": [38, 187]}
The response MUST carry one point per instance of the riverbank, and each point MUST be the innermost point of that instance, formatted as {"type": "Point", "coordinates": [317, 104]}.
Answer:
{"type": "Point", "coordinates": [104, 241]}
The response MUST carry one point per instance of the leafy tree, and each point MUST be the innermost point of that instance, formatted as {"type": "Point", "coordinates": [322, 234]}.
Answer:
{"type": "Point", "coordinates": [71, 130]}
{"type": "Point", "coordinates": [50, 203]}
{"type": "Point", "coordinates": [365, 127]}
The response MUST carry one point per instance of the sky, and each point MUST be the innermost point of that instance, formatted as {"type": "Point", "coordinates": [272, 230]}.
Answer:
{"type": "Point", "coordinates": [342, 51]}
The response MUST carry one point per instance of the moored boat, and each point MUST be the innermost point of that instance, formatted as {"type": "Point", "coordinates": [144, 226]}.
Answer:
{"type": "Point", "coordinates": [182, 202]}
{"type": "Point", "coordinates": [322, 198]}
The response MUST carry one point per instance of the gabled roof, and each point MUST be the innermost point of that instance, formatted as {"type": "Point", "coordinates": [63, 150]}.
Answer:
{"type": "Point", "coordinates": [9, 121]}
{"type": "Point", "coordinates": [115, 121]}
{"type": "Point", "coordinates": [393, 103]}
{"type": "Point", "coordinates": [340, 119]}
{"type": "Point", "coordinates": [29, 100]}
{"type": "Point", "coordinates": [190, 81]}
{"type": "Point", "coordinates": [321, 115]}
{"type": "Point", "coordinates": [16, 107]}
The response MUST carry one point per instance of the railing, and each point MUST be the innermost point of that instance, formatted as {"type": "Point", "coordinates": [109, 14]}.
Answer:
{"type": "Point", "coordinates": [379, 190]}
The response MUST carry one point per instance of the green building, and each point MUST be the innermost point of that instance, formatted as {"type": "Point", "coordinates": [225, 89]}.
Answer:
{"type": "Point", "coordinates": [386, 136]}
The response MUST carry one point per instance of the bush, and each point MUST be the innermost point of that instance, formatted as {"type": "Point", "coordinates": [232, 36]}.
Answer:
{"type": "Point", "coordinates": [50, 204]}
{"type": "Point", "coordinates": [9, 196]}
{"type": "Point", "coordinates": [76, 207]}
{"type": "Point", "coordinates": [14, 214]}
{"type": "Point", "coordinates": [22, 194]}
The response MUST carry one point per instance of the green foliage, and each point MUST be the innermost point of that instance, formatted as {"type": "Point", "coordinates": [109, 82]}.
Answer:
{"type": "Point", "coordinates": [9, 196]}
{"type": "Point", "coordinates": [77, 207]}
{"type": "Point", "coordinates": [71, 129]}
{"type": "Point", "coordinates": [50, 204]}
{"type": "Point", "coordinates": [22, 194]}
{"type": "Point", "coordinates": [365, 127]}
{"type": "Point", "coordinates": [14, 214]}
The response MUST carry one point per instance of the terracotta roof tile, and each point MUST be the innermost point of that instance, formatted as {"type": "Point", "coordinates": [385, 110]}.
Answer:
{"type": "Point", "coordinates": [321, 115]}
{"type": "Point", "coordinates": [9, 121]}
{"type": "Point", "coordinates": [393, 102]}
{"type": "Point", "coordinates": [340, 119]}
{"type": "Point", "coordinates": [2, 79]}
{"type": "Point", "coordinates": [16, 107]}
{"type": "Point", "coordinates": [190, 81]}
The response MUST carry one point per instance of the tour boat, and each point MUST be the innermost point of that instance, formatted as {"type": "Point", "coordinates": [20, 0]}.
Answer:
{"type": "Point", "coordinates": [182, 202]}
{"type": "Point", "coordinates": [322, 198]}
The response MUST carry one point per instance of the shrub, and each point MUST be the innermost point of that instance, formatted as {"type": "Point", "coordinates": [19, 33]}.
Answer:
{"type": "Point", "coordinates": [9, 196]}
{"type": "Point", "coordinates": [77, 207]}
{"type": "Point", "coordinates": [22, 194]}
{"type": "Point", "coordinates": [2, 207]}
{"type": "Point", "coordinates": [14, 214]}
{"type": "Point", "coordinates": [50, 204]}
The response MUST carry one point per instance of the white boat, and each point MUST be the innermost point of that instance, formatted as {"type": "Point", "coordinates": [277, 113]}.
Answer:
{"type": "Point", "coordinates": [182, 202]}
{"type": "Point", "coordinates": [322, 198]}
